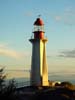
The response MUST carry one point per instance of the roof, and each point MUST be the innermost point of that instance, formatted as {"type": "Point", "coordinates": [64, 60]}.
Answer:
{"type": "Point", "coordinates": [39, 22]}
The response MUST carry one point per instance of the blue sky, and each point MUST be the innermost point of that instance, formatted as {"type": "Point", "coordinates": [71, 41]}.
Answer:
{"type": "Point", "coordinates": [16, 25]}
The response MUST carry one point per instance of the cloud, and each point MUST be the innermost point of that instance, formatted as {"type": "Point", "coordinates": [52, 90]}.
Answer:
{"type": "Point", "coordinates": [9, 53]}
{"type": "Point", "coordinates": [57, 18]}
{"type": "Point", "coordinates": [68, 54]}
{"type": "Point", "coordinates": [6, 51]}
{"type": "Point", "coordinates": [67, 17]}
{"type": "Point", "coordinates": [29, 14]}
{"type": "Point", "coordinates": [3, 45]}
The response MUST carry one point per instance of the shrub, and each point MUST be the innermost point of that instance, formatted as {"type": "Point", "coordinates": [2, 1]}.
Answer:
{"type": "Point", "coordinates": [67, 85]}
{"type": "Point", "coordinates": [6, 91]}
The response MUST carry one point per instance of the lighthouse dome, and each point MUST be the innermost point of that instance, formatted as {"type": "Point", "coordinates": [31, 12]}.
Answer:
{"type": "Point", "coordinates": [38, 22]}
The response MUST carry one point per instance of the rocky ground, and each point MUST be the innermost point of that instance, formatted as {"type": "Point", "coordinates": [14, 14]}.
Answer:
{"type": "Point", "coordinates": [46, 93]}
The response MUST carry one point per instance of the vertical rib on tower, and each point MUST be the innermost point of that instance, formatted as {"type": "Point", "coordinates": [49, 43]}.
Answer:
{"type": "Point", "coordinates": [45, 68]}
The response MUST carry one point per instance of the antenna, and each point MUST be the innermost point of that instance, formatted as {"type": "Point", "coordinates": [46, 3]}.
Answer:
{"type": "Point", "coordinates": [39, 16]}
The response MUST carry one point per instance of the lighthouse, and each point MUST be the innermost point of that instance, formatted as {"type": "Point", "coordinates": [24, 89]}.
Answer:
{"type": "Point", "coordinates": [39, 67]}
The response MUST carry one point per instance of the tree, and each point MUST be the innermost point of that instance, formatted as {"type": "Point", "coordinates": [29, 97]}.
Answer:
{"type": "Point", "coordinates": [2, 79]}
{"type": "Point", "coordinates": [6, 91]}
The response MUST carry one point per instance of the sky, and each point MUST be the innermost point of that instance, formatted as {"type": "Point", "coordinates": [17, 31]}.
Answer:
{"type": "Point", "coordinates": [16, 26]}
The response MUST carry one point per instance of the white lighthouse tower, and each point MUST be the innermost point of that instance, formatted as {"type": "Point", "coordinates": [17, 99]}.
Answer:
{"type": "Point", "coordinates": [39, 68]}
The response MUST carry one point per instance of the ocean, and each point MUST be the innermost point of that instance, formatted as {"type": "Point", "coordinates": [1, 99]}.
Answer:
{"type": "Point", "coordinates": [52, 76]}
{"type": "Point", "coordinates": [21, 82]}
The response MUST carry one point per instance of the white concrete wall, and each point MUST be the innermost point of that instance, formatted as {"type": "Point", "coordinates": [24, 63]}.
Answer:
{"type": "Point", "coordinates": [39, 71]}
{"type": "Point", "coordinates": [35, 67]}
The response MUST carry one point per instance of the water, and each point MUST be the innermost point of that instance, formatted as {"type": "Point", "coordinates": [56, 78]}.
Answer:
{"type": "Point", "coordinates": [61, 78]}
{"type": "Point", "coordinates": [21, 82]}
{"type": "Point", "coordinates": [53, 76]}
{"type": "Point", "coordinates": [26, 81]}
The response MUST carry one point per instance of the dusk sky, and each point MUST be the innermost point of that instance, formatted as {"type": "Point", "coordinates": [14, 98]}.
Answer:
{"type": "Point", "coordinates": [16, 26]}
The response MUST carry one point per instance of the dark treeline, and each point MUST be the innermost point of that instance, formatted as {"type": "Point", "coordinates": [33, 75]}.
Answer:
{"type": "Point", "coordinates": [7, 92]}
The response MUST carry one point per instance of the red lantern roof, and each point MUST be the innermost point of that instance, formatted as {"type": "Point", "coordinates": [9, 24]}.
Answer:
{"type": "Point", "coordinates": [38, 22]}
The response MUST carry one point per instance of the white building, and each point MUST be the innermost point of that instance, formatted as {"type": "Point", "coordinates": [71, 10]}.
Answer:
{"type": "Point", "coordinates": [39, 68]}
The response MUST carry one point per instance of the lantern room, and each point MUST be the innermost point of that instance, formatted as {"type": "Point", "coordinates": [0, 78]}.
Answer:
{"type": "Point", "coordinates": [38, 29]}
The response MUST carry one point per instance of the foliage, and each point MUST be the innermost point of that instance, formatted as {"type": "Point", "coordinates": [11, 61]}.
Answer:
{"type": "Point", "coordinates": [2, 79]}
{"type": "Point", "coordinates": [67, 85]}
{"type": "Point", "coordinates": [6, 91]}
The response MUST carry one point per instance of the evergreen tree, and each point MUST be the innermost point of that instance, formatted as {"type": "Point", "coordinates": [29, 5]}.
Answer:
{"type": "Point", "coordinates": [6, 91]}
